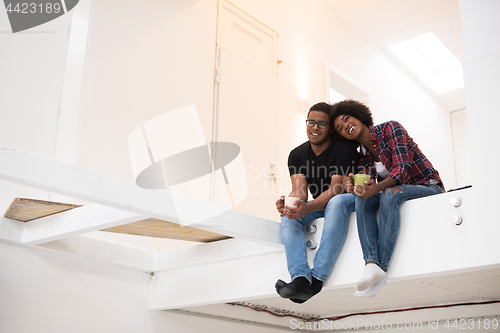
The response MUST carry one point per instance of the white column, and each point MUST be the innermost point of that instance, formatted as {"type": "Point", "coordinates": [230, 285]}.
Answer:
{"type": "Point", "coordinates": [481, 35]}
{"type": "Point", "coordinates": [68, 127]}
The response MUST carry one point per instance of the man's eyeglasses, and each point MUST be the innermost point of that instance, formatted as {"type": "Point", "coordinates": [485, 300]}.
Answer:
{"type": "Point", "coordinates": [321, 124]}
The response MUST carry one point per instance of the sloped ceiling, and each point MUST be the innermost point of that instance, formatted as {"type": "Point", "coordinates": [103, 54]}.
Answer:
{"type": "Point", "coordinates": [384, 22]}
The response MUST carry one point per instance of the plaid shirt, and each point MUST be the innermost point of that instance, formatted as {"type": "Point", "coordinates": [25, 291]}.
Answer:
{"type": "Point", "coordinates": [399, 154]}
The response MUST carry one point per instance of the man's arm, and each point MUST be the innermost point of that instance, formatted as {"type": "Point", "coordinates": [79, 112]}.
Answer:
{"type": "Point", "coordinates": [304, 208]}
{"type": "Point", "coordinates": [299, 186]}
{"type": "Point", "coordinates": [299, 189]}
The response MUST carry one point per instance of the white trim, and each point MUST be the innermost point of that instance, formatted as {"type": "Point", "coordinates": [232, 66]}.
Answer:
{"type": "Point", "coordinates": [196, 255]}
{"type": "Point", "coordinates": [72, 94]}
{"type": "Point", "coordinates": [68, 128]}
{"type": "Point", "coordinates": [100, 250]}
{"type": "Point", "coordinates": [210, 253]}
{"type": "Point", "coordinates": [219, 282]}
{"type": "Point", "coordinates": [64, 6]}
{"type": "Point", "coordinates": [74, 222]}
{"type": "Point", "coordinates": [352, 89]}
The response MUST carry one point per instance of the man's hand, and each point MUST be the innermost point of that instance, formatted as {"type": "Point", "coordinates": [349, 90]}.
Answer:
{"type": "Point", "coordinates": [280, 205]}
{"type": "Point", "coordinates": [348, 183]}
{"type": "Point", "coordinates": [297, 213]}
{"type": "Point", "coordinates": [367, 190]}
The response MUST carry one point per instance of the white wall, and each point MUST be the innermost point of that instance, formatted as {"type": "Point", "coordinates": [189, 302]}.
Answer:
{"type": "Point", "coordinates": [309, 37]}
{"type": "Point", "coordinates": [461, 147]}
{"type": "Point", "coordinates": [140, 75]}
{"type": "Point", "coordinates": [47, 292]}
{"type": "Point", "coordinates": [32, 70]}
{"type": "Point", "coordinates": [31, 78]}
{"type": "Point", "coordinates": [155, 56]}
{"type": "Point", "coordinates": [148, 58]}
{"type": "Point", "coordinates": [482, 82]}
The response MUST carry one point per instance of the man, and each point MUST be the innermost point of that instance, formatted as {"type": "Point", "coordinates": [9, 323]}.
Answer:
{"type": "Point", "coordinates": [319, 165]}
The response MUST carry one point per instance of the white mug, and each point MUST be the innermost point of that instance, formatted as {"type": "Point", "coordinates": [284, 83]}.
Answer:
{"type": "Point", "coordinates": [289, 201]}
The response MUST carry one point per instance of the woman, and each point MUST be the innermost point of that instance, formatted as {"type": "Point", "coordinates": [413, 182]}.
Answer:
{"type": "Point", "coordinates": [399, 171]}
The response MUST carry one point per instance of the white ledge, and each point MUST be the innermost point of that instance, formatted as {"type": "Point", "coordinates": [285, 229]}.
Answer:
{"type": "Point", "coordinates": [202, 254]}
{"type": "Point", "coordinates": [76, 221]}
{"type": "Point", "coordinates": [429, 245]}
{"type": "Point", "coordinates": [96, 249]}
{"type": "Point", "coordinates": [54, 176]}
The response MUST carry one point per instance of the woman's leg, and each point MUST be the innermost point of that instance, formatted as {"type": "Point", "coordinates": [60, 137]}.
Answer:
{"type": "Point", "coordinates": [389, 221]}
{"type": "Point", "coordinates": [368, 226]}
{"type": "Point", "coordinates": [368, 236]}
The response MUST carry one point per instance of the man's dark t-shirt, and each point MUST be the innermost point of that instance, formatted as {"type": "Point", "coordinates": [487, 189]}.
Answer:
{"type": "Point", "coordinates": [340, 158]}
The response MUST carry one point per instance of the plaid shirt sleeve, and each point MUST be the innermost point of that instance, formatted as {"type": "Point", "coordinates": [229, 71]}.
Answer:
{"type": "Point", "coordinates": [400, 155]}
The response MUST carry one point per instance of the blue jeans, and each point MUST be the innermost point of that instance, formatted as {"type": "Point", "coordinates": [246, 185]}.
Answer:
{"type": "Point", "coordinates": [378, 240]}
{"type": "Point", "coordinates": [336, 214]}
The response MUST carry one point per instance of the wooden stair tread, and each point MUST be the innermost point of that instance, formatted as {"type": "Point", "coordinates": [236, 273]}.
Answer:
{"type": "Point", "coordinates": [25, 210]}
{"type": "Point", "coordinates": [164, 229]}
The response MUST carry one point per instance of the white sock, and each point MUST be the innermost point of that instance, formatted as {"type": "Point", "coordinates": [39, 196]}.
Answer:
{"type": "Point", "coordinates": [371, 275]}
{"type": "Point", "coordinates": [372, 290]}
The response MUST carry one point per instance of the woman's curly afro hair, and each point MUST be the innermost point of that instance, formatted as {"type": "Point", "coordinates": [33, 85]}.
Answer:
{"type": "Point", "coordinates": [354, 109]}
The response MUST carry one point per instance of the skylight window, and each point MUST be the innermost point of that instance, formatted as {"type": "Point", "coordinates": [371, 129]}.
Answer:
{"type": "Point", "coordinates": [431, 61]}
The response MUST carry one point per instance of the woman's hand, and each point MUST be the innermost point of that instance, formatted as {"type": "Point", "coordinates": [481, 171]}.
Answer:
{"type": "Point", "coordinates": [348, 183]}
{"type": "Point", "coordinates": [297, 213]}
{"type": "Point", "coordinates": [367, 190]}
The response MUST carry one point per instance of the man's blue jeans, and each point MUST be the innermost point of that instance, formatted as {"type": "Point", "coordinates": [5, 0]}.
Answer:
{"type": "Point", "coordinates": [336, 214]}
{"type": "Point", "coordinates": [378, 240]}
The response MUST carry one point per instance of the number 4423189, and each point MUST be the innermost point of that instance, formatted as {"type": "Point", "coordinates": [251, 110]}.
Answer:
{"type": "Point", "coordinates": [464, 324]}
{"type": "Point", "coordinates": [25, 8]}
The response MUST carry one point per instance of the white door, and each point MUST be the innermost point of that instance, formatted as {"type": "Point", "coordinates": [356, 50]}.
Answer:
{"type": "Point", "coordinates": [246, 103]}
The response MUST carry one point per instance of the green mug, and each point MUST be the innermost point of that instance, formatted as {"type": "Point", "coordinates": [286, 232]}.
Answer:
{"type": "Point", "coordinates": [360, 178]}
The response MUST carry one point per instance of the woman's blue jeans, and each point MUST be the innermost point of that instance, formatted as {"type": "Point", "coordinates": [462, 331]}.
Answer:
{"type": "Point", "coordinates": [336, 214]}
{"type": "Point", "coordinates": [378, 240]}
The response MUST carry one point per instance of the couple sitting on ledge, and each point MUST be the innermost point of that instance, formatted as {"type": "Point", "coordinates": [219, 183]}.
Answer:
{"type": "Point", "coordinates": [325, 165]}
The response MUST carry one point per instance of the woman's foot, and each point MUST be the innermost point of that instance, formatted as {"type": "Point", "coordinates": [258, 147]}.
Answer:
{"type": "Point", "coordinates": [372, 290]}
{"type": "Point", "coordinates": [371, 275]}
